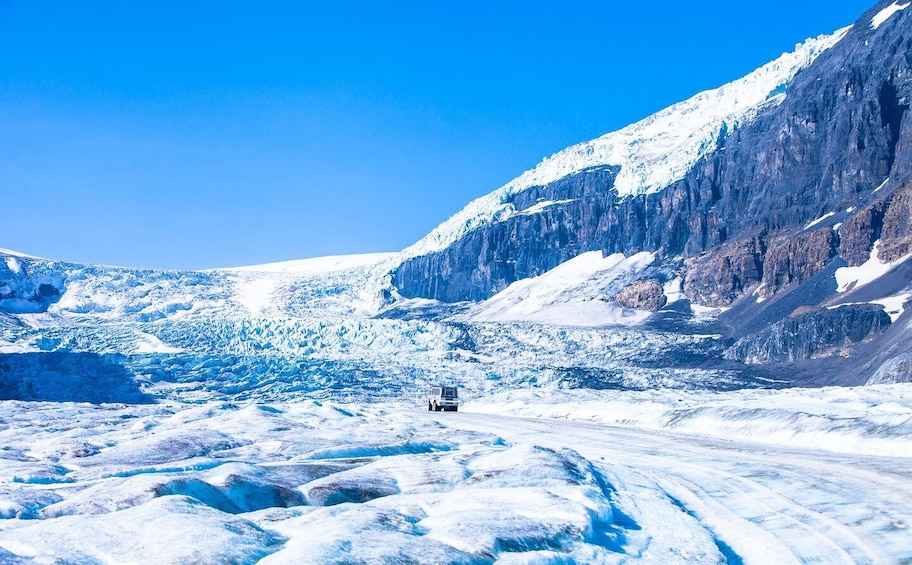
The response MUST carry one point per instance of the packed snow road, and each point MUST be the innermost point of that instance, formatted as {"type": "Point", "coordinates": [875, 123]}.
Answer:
{"type": "Point", "coordinates": [761, 503]}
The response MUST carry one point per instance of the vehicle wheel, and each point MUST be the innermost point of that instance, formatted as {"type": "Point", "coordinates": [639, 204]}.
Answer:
{"type": "Point", "coordinates": [436, 408]}
{"type": "Point", "coordinates": [455, 409]}
{"type": "Point", "coordinates": [429, 406]}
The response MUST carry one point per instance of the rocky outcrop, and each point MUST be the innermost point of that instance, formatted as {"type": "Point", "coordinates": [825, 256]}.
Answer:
{"type": "Point", "coordinates": [896, 233]}
{"type": "Point", "coordinates": [821, 333]}
{"type": "Point", "coordinates": [895, 370]}
{"type": "Point", "coordinates": [796, 259]}
{"type": "Point", "coordinates": [858, 234]}
{"type": "Point", "coordinates": [718, 278]}
{"type": "Point", "coordinates": [645, 295]}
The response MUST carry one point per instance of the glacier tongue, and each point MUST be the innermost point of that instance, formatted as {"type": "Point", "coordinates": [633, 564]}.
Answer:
{"type": "Point", "coordinates": [283, 333]}
{"type": "Point", "coordinates": [652, 153]}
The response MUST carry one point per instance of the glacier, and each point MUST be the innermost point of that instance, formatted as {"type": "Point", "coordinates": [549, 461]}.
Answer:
{"type": "Point", "coordinates": [313, 331]}
{"type": "Point", "coordinates": [173, 482]}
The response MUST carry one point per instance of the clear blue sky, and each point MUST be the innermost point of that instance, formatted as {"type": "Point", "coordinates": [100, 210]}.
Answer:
{"type": "Point", "coordinates": [203, 134]}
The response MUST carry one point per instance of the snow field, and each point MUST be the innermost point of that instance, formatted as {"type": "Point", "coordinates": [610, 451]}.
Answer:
{"type": "Point", "coordinates": [250, 483]}
{"type": "Point", "coordinates": [216, 482]}
{"type": "Point", "coordinates": [871, 420]}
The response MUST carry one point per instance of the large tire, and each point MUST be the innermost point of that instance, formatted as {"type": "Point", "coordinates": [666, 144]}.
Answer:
{"type": "Point", "coordinates": [429, 406]}
{"type": "Point", "coordinates": [436, 408]}
{"type": "Point", "coordinates": [455, 409]}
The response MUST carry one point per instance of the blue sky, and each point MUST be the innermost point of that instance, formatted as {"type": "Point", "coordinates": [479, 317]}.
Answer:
{"type": "Point", "coordinates": [204, 134]}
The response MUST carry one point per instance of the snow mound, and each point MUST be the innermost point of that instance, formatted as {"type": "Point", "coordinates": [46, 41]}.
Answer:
{"type": "Point", "coordinates": [575, 293]}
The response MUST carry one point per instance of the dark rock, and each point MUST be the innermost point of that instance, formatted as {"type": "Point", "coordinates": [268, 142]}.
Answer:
{"type": "Point", "coordinates": [796, 259]}
{"type": "Point", "coordinates": [645, 294]}
{"type": "Point", "coordinates": [719, 277]}
{"type": "Point", "coordinates": [820, 333]}
{"type": "Point", "coordinates": [858, 234]}
{"type": "Point", "coordinates": [896, 234]}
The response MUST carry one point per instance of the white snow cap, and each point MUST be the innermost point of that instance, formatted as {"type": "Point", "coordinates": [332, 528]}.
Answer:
{"type": "Point", "coordinates": [652, 153]}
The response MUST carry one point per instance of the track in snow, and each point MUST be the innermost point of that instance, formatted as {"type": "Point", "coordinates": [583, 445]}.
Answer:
{"type": "Point", "coordinates": [762, 504]}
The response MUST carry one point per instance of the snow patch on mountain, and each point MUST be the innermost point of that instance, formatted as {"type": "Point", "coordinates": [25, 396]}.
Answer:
{"type": "Point", "coordinates": [885, 14]}
{"type": "Point", "coordinates": [652, 153]}
{"type": "Point", "coordinates": [13, 265]}
{"type": "Point", "coordinates": [820, 219]}
{"type": "Point", "coordinates": [851, 278]}
{"type": "Point", "coordinates": [255, 294]}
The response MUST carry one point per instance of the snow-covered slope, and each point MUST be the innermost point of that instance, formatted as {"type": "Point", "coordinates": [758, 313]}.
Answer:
{"type": "Point", "coordinates": [575, 293]}
{"type": "Point", "coordinates": [651, 153]}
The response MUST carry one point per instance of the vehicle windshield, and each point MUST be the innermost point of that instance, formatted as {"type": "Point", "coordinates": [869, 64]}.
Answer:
{"type": "Point", "coordinates": [450, 392]}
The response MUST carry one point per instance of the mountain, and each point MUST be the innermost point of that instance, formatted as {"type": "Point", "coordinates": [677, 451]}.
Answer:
{"type": "Point", "coordinates": [782, 200]}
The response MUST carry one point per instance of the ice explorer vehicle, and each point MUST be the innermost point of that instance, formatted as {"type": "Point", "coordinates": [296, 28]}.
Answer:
{"type": "Point", "coordinates": [443, 398]}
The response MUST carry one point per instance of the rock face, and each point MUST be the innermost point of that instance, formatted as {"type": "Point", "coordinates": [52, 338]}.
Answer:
{"type": "Point", "coordinates": [645, 294]}
{"type": "Point", "coordinates": [821, 333]}
{"type": "Point", "coordinates": [725, 273]}
{"type": "Point", "coordinates": [896, 233]}
{"type": "Point", "coordinates": [895, 370]}
{"type": "Point", "coordinates": [741, 213]}
{"type": "Point", "coordinates": [794, 260]}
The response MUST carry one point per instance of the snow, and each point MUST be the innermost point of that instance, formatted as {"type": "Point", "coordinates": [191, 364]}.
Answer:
{"type": "Point", "coordinates": [148, 343]}
{"type": "Point", "coordinates": [317, 265]}
{"type": "Point", "coordinates": [16, 253]}
{"type": "Point", "coordinates": [612, 477]}
{"type": "Point", "coordinates": [883, 184]}
{"type": "Point", "coordinates": [255, 294]}
{"type": "Point", "coordinates": [820, 219]}
{"type": "Point", "coordinates": [575, 293]}
{"type": "Point", "coordinates": [234, 414]}
{"type": "Point", "coordinates": [885, 14]}
{"type": "Point", "coordinates": [894, 305]}
{"type": "Point", "coordinates": [13, 265]}
{"type": "Point", "coordinates": [652, 153]}
{"type": "Point", "coordinates": [851, 278]}
{"type": "Point", "coordinates": [863, 420]}
{"type": "Point", "coordinates": [539, 207]}
{"type": "Point", "coordinates": [673, 290]}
